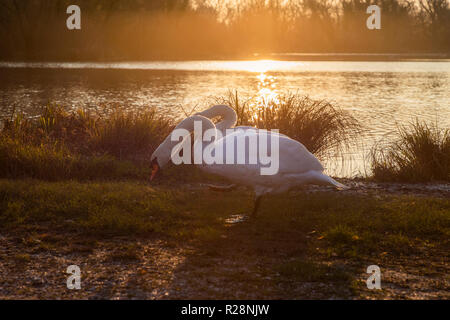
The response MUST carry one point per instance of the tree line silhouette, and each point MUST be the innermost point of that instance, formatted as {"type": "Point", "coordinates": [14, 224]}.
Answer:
{"type": "Point", "coordinates": [184, 29]}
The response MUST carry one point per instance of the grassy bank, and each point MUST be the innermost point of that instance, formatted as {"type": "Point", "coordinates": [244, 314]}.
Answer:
{"type": "Point", "coordinates": [116, 143]}
{"type": "Point", "coordinates": [350, 223]}
{"type": "Point", "coordinates": [304, 245]}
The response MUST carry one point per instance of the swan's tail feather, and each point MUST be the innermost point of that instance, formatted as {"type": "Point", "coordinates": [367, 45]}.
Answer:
{"type": "Point", "coordinates": [323, 179]}
{"type": "Point", "coordinates": [338, 185]}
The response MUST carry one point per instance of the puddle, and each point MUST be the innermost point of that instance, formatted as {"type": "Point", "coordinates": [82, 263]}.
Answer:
{"type": "Point", "coordinates": [236, 218]}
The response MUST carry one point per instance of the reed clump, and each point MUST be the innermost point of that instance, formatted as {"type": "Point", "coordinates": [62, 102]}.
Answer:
{"type": "Point", "coordinates": [81, 144]}
{"type": "Point", "coordinates": [127, 135]}
{"type": "Point", "coordinates": [420, 153]}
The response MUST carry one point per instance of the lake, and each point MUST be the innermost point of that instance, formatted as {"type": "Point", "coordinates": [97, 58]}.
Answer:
{"type": "Point", "coordinates": [382, 95]}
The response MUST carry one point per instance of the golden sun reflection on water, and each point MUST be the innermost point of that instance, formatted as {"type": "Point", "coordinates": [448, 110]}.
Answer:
{"type": "Point", "coordinates": [267, 95]}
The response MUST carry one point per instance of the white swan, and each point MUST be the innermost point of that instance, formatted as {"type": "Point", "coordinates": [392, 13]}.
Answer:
{"type": "Point", "coordinates": [297, 166]}
{"type": "Point", "coordinates": [228, 115]}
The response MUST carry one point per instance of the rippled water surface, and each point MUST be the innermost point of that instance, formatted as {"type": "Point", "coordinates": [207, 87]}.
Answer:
{"type": "Point", "coordinates": [381, 95]}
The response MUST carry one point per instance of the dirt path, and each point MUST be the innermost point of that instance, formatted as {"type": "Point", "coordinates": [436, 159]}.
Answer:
{"type": "Point", "coordinates": [236, 267]}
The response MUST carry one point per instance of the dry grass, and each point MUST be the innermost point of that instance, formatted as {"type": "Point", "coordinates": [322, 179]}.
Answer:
{"type": "Point", "coordinates": [80, 144]}
{"type": "Point", "coordinates": [116, 131]}
{"type": "Point", "coordinates": [420, 153]}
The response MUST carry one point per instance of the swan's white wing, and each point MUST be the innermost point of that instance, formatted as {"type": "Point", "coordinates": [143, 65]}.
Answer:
{"type": "Point", "coordinates": [293, 156]}
{"type": "Point", "coordinates": [245, 128]}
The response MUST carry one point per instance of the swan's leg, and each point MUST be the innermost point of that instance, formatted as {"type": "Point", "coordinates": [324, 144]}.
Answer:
{"type": "Point", "coordinates": [256, 207]}
{"type": "Point", "coordinates": [259, 193]}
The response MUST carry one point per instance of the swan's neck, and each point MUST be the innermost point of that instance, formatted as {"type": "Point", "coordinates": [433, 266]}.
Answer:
{"type": "Point", "coordinates": [228, 115]}
{"type": "Point", "coordinates": [185, 127]}
{"type": "Point", "coordinates": [189, 123]}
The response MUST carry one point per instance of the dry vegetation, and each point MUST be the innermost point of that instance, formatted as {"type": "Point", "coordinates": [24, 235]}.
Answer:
{"type": "Point", "coordinates": [420, 153]}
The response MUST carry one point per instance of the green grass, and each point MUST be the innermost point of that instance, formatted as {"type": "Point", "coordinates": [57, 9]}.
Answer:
{"type": "Point", "coordinates": [420, 153]}
{"type": "Point", "coordinates": [348, 225]}
{"type": "Point", "coordinates": [105, 207]}
{"type": "Point", "coordinates": [55, 162]}
{"type": "Point", "coordinates": [59, 145]}
{"type": "Point", "coordinates": [325, 237]}
{"type": "Point", "coordinates": [356, 226]}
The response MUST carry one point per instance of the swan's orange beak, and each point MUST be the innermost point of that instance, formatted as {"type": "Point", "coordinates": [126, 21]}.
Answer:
{"type": "Point", "coordinates": [155, 169]}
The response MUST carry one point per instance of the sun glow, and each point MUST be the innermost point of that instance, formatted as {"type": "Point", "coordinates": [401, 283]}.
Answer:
{"type": "Point", "coordinates": [267, 95]}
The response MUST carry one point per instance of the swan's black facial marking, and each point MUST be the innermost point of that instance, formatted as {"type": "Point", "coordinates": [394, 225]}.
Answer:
{"type": "Point", "coordinates": [155, 168]}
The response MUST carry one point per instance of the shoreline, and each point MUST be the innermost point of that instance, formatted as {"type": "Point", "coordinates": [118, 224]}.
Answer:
{"type": "Point", "coordinates": [301, 57]}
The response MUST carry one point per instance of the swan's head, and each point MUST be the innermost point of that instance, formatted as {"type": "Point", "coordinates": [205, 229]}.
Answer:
{"type": "Point", "coordinates": [171, 145]}
{"type": "Point", "coordinates": [159, 159]}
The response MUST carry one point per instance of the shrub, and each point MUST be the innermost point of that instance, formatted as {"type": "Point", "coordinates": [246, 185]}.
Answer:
{"type": "Point", "coordinates": [117, 132]}
{"type": "Point", "coordinates": [131, 134]}
{"type": "Point", "coordinates": [420, 153]}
